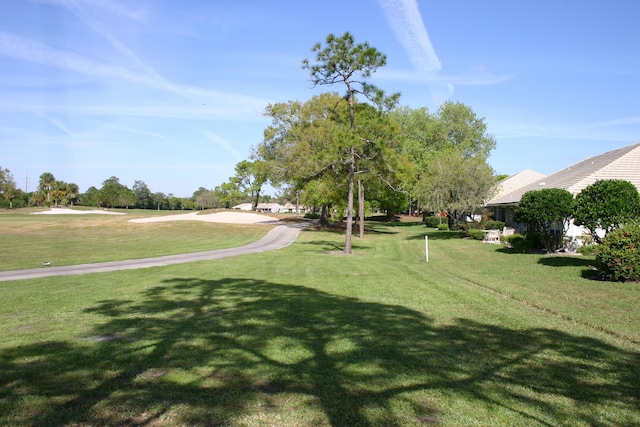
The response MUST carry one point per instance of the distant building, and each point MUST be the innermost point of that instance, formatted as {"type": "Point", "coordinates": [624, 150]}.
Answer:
{"type": "Point", "coordinates": [270, 207]}
{"type": "Point", "coordinates": [244, 207]}
{"type": "Point", "coordinates": [291, 208]}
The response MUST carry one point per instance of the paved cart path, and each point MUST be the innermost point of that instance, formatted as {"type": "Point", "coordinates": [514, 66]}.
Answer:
{"type": "Point", "coordinates": [277, 238]}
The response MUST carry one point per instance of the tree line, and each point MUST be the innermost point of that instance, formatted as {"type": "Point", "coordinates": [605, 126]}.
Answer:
{"type": "Point", "coordinates": [52, 192]}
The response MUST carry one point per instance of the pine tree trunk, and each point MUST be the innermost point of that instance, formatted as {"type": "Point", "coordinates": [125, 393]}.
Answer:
{"type": "Point", "coordinates": [361, 207]}
{"type": "Point", "coordinates": [349, 233]}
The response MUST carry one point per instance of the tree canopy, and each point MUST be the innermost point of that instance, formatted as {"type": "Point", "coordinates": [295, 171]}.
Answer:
{"type": "Point", "coordinates": [449, 151]}
{"type": "Point", "coordinates": [546, 212]}
{"type": "Point", "coordinates": [606, 205]}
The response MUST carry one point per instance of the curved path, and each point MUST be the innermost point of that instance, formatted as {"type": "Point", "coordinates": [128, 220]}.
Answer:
{"type": "Point", "coordinates": [277, 238]}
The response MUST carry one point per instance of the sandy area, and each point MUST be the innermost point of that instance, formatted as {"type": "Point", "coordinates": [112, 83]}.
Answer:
{"type": "Point", "coordinates": [67, 211]}
{"type": "Point", "coordinates": [220, 217]}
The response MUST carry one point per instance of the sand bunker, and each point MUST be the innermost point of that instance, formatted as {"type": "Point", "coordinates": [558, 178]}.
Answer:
{"type": "Point", "coordinates": [67, 211]}
{"type": "Point", "coordinates": [220, 217]}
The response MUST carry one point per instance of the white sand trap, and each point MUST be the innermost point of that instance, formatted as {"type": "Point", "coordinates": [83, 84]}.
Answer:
{"type": "Point", "coordinates": [66, 211]}
{"type": "Point", "coordinates": [220, 217]}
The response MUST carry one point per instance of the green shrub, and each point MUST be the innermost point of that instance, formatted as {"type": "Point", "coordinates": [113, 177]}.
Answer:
{"type": "Point", "coordinates": [443, 227]}
{"type": "Point", "coordinates": [312, 215]}
{"type": "Point", "coordinates": [546, 213]}
{"type": "Point", "coordinates": [519, 243]}
{"type": "Point", "coordinates": [606, 205]}
{"type": "Point", "coordinates": [588, 249]}
{"type": "Point", "coordinates": [432, 221]}
{"type": "Point", "coordinates": [475, 234]}
{"type": "Point", "coordinates": [494, 225]}
{"type": "Point", "coordinates": [618, 257]}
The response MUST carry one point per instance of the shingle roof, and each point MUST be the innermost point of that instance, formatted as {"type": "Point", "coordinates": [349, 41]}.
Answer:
{"type": "Point", "coordinates": [623, 163]}
{"type": "Point", "coordinates": [514, 182]}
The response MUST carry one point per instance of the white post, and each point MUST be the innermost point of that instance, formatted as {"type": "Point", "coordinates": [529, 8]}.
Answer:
{"type": "Point", "coordinates": [426, 245]}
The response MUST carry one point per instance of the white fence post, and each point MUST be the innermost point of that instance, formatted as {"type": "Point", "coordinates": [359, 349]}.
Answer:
{"type": "Point", "coordinates": [426, 245]}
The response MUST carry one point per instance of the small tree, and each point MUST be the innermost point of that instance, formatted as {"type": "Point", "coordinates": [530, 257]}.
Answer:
{"type": "Point", "coordinates": [606, 205]}
{"type": "Point", "coordinates": [8, 189]}
{"type": "Point", "coordinates": [207, 199]}
{"type": "Point", "coordinates": [546, 213]}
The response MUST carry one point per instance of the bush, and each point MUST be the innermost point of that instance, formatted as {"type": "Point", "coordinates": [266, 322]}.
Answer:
{"type": "Point", "coordinates": [432, 221]}
{"type": "Point", "coordinates": [618, 257]}
{"type": "Point", "coordinates": [475, 234]}
{"type": "Point", "coordinates": [545, 212]}
{"type": "Point", "coordinates": [443, 227]}
{"type": "Point", "coordinates": [494, 225]}
{"type": "Point", "coordinates": [607, 205]}
{"type": "Point", "coordinates": [519, 243]}
{"type": "Point", "coordinates": [588, 249]}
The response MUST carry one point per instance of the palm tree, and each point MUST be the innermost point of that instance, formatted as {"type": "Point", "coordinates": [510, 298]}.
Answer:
{"type": "Point", "coordinates": [72, 192]}
{"type": "Point", "coordinates": [59, 192]}
{"type": "Point", "coordinates": [46, 183]}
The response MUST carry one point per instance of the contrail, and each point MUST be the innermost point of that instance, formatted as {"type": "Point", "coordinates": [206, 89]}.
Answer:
{"type": "Point", "coordinates": [94, 24]}
{"type": "Point", "coordinates": [406, 23]}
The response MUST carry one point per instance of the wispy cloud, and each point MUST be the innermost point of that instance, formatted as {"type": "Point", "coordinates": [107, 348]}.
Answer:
{"type": "Point", "coordinates": [612, 130]}
{"type": "Point", "coordinates": [218, 104]}
{"type": "Point", "coordinates": [57, 123]}
{"type": "Point", "coordinates": [222, 143]}
{"type": "Point", "coordinates": [147, 71]}
{"type": "Point", "coordinates": [132, 69]}
{"type": "Point", "coordinates": [470, 79]}
{"type": "Point", "coordinates": [406, 22]}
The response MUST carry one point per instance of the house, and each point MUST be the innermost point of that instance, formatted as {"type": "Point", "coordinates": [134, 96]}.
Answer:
{"type": "Point", "coordinates": [269, 207]}
{"type": "Point", "coordinates": [291, 208]}
{"type": "Point", "coordinates": [507, 186]}
{"type": "Point", "coordinates": [517, 181]}
{"type": "Point", "coordinates": [244, 207]}
{"type": "Point", "coordinates": [623, 163]}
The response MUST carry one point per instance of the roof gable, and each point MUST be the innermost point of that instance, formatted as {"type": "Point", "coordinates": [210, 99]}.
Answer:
{"type": "Point", "coordinates": [623, 163]}
{"type": "Point", "coordinates": [514, 182]}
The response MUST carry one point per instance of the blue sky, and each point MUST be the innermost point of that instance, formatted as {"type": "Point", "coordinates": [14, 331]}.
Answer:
{"type": "Point", "coordinates": [173, 92]}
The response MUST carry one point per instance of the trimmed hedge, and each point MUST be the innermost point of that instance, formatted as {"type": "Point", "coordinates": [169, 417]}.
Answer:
{"type": "Point", "coordinates": [618, 257]}
{"type": "Point", "coordinates": [433, 221]}
{"type": "Point", "coordinates": [475, 234]}
{"type": "Point", "coordinates": [494, 225]}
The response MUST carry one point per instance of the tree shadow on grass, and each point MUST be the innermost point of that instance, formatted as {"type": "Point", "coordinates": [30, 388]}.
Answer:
{"type": "Point", "coordinates": [214, 352]}
{"type": "Point", "coordinates": [565, 261]}
{"type": "Point", "coordinates": [436, 235]}
{"type": "Point", "coordinates": [588, 270]}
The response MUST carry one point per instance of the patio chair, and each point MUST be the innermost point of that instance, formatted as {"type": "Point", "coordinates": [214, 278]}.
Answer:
{"type": "Point", "coordinates": [508, 231]}
{"type": "Point", "coordinates": [491, 236]}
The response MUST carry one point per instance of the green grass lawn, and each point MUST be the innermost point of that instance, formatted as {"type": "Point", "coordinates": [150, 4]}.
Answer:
{"type": "Point", "coordinates": [305, 336]}
{"type": "Point", "coordinates": [28, 240]}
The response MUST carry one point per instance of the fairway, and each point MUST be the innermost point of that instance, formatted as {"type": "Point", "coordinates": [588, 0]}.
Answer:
{"type": "Point", "coordinates": [306, 336]}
